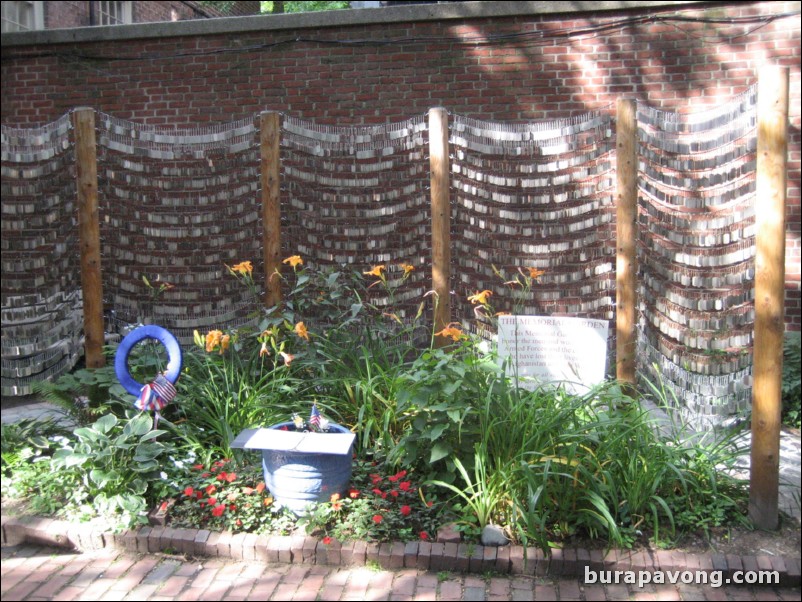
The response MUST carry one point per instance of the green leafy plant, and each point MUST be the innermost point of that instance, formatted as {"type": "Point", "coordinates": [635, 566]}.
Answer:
{"type": "Point", "coordinates": [85, 394]}
{"type": "Point", "coordinates": [27, 448]}
{"type": "Point", "coordinates": [116, 466]}
{"type": "Point", "coordinates": [792, 379]}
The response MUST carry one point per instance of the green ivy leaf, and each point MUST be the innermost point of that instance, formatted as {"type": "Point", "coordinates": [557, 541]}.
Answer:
{"type": "Point", "coordinates": [440, 450]}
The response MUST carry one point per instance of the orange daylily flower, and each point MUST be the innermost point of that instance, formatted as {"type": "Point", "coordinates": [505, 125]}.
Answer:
{"type": "Point", "coordinates": [453, 332]}
{"type": "Point", "coordinates": [300, 330]}
{"type": "Point", "coordinates": [407, 268]}
{"type": "Point", "coordinates": [535, 273]}
{"type": "Point", "coordinates": [376, 271]}
{"type": "Point", "coordinates": [224, 343]}
{"type": "Point", "coordinates": [244, 268]}
{"type": "Point", "coordinates": [480, 297]}
{"type": "Point", "coordinates": [213, 339]}
{"type": "Point", "coordinates": [294, 261]}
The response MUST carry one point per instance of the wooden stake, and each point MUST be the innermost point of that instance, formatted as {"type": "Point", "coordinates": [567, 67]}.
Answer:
{"type": "Point", "coordinates": [772, 150]}
{"type": "Point", "coordinates": [626, 240]}
{"type": "Point", "coordinates": [89, 235]}
{"type": "Point", "coordinates": [441, 219]}
{"type": "Point", "coordinates": [269, 137]}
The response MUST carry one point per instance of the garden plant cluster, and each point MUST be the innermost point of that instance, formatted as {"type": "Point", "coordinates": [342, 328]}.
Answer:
{"type": "Point", "coordinates": [443, 434]}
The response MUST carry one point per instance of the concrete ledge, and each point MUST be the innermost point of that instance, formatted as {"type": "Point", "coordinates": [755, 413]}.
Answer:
{"type": "Point", "coordinates": [322, 20]}
{"type": "Point", "coordinates": [465, 558]}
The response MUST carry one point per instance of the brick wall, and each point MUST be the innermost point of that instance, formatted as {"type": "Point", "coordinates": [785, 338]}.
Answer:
{"type": "Point", "coordinates": [524, 67]}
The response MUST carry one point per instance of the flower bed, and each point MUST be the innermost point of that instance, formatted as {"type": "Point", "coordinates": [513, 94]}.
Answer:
{"type": "Point", "coordinates": [442, 435]}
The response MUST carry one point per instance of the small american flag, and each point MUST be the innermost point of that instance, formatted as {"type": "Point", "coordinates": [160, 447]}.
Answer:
{"type": "Point", "coordinates": [314, 419]}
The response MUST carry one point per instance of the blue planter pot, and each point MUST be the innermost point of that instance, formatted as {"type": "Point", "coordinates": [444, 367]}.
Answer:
{"type": "Point", "coordinates": [296, 479]}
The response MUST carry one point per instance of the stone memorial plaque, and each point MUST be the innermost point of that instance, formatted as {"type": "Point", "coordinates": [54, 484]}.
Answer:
{"type": "Point", "coordinates": [539, 350]}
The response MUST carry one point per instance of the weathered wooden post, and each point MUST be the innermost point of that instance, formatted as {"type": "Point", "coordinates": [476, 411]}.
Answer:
{"type": "Point", "coordinates": [89, 235]}
{"type": "Point", "coordinates": [441, 219]}
{"type": "Point", "coordinates": [269, 138]}
{"type": "Point", "coordinates": [626, 240]}
{"type": "Point", "coordinates": [772, 150]}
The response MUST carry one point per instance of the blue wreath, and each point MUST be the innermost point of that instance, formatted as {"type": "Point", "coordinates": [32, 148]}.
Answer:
{"type": "Point", "coordinates": [165, 337]}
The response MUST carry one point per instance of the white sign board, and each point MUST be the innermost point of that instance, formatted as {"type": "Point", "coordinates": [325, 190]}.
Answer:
{"type": "Point", "coordinates": [294, 441]}
{"type": "Point", "coordinates": [562, 351]}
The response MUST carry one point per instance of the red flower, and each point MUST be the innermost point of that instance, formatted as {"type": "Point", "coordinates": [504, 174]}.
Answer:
{"type": "Point", "coordinates": [394, 493]}
{"type": "Point", "coordinates": [211, 501]}
{"type": "Point", "coordinates": [189, 491]}
{"type": "Point", "coordinates": [406, 510]}
{"type": "Point", "coordinates": [398, 476]}
{"type": "Point", "coordinates": [353, 493]}
{"type": "Point", "coordinates": [197, 466]}
{"type": "Point", "coordinates": [205, 475]}
{"type": "Point", "coordinates": [232, 507]}
{"type": "Point", "coordinates": [222, 476]}
{"type": "Point", "coordinates": [405, 485]}
{"type": "Point", "coordinates": [218, 510]}
{"type": "Point", "coordinates": [210, 489]}
{"type": "Point", "coordinates": [424, 535]}
{"type": "Point", "coordinates": [327, 540]}
{"type": "Point", "coordinates": [377, 518]}
{"type": "Point", "coordinates": [231, 477]}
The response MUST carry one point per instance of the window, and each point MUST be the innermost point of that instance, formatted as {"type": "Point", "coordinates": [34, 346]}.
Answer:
{"type": "Point", "coordinates": [114, 13]}
{"type": "Point", "coordinates": [22, 16]}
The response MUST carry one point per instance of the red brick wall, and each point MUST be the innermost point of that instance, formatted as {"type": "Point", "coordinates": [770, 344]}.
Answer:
{"type": "Point", "coordinates": [682, 66]}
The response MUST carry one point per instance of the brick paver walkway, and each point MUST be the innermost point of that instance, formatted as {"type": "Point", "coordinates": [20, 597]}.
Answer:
{"type": "Point", "coordinates": [32, 572]}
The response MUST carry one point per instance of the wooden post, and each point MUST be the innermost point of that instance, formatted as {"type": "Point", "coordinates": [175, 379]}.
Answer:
{"type": "Point", "coordinates": [626, 240]}
{"type": "Point", "coordinates": [89, 235]}
{"type": "Point", "coordinates": [441, 220]}
{"type": "Point", "coordinates": [772, 149]}
{"type": "Point", "coordinates": [269, 137]}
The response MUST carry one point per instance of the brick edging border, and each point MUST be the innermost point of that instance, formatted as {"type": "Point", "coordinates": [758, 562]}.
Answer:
{"type": "Point", "coordinates": [434, 556]}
